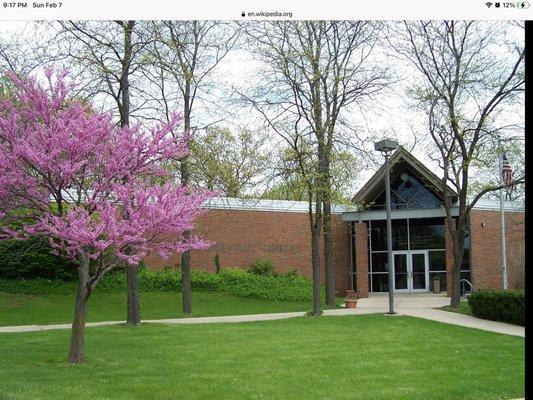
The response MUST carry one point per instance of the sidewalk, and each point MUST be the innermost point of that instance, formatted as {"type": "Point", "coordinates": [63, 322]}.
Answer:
{"type": "Point", "coordinates": [466, 320]}
{"type": "Point", "coordinates": [194, 320]}
{"type": "Point", "coordinates": [366, 308]}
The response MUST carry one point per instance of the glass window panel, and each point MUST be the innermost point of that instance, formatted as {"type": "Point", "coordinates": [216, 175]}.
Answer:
{"type": "Point", "coordinates": [400, 271]}
{"type": "Point", "coordinates": [380, 282]}
{"type": "Point", "coordinates": [437, 260]}
{"type": "Point", "coordinates": [379, 262]}
{"type": "Point", "coordinates": [408, 192]}
{"type": "Point", "coordinates": [419, 280]}
{"type": "Point", "coordinates": [426, 233]}
{"type": "Point", "coordinates": [379, 235]}
{"type": "Point", "coordinates": [399, 234]}
{"type": "Point", "coordinates": [400, 281]}
{"type": "Point", "coordinates": [466, 255]}
{"type": "Point", "coordinates": [418, 264]}
{"type": "Point", "coordinates": [466, 260]}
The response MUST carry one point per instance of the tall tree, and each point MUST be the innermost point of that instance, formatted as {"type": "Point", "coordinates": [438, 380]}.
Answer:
{"type": "Point", "coordinates": [111, 53]}
{"type": "Point", "coordinates": [300, 163]}
{"type": "Point", "coordinates": [286, 182]}
{"type": "Point", "coordinates": [70, 174]}
{"type": "Point", "coordinates": [226, 162]}
{"type": "Point", "coordinates": [469, 75]}
{"type": "Point", "coordinates": [316, 71]}
{"type": "Point", "coordinates": [22, 49]}
{"type": "Point", "coordinates": [182, 61]}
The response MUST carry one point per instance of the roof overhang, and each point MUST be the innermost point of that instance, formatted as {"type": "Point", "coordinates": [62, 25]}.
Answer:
{"type": "Point", "coordinates": [367, 215]}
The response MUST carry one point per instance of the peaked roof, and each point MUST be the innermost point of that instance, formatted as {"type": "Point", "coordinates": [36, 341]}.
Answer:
{"type": "Point", "coordinates": [374, 186]}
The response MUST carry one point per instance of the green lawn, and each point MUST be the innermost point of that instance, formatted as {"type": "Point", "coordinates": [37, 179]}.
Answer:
{"type": "Point", "coordinates": [28, 309]}
{"type": "Point", "coordinates": [351, 357]}
{"type": "Point", "coordinates": [463, 308]}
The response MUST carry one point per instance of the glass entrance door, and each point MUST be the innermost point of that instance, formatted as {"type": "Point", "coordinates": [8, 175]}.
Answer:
{"type": "Point", "coordinates": [401, 271]}
{"type": "Point", "coordinates": [411, 272]}
{"type": "Point", "coordinates": [419, 278]}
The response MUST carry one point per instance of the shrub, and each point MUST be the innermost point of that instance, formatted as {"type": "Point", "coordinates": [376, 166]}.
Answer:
{"type": "Point", "coordinates": [237, 282]}
{"type": "Point", "coordinates": [159, 281]}
{"type": "Point", "coordinates": [38, 286]}
{"type": "Point", "coordinates": [33, 258]}
{"type": "Point", "coordinates": [499, 305]}
{"type": "Point", "coordinates": [262, 267]}
{"type": "Point", "coordinates": [242, 283]}
{"type": "Point", "coordinates": [292, 272]}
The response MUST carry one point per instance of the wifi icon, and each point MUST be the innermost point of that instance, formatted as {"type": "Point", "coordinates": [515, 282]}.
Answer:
{"type": "Point", "coordinates": [488, 4]}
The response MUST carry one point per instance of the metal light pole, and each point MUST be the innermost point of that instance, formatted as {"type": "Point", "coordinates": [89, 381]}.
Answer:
{"type": "Point", "coordinates": [502, 222]}
{"type": "Point", "coordinates": [386, 146]}
{"type": "Point", "coordinates": [389, 235]}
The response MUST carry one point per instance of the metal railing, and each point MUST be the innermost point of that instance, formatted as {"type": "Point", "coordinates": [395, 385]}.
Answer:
{"type": "Point", "coordinates": [463, 283]}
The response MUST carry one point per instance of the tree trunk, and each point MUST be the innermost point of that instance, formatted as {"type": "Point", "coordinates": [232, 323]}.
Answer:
{"type": "Point", "coordinates": [458, 251]}
{"type": "Point", "coordinates": [77, 338]}
{"type": "Point", "coordinates": [316, 226]}
{"type": "Point", "coordinates": [186, 256]}
{"type": "Point", "coordinates": [328, 253]}
{"type": "Point", "coordinates": [186, 281]}
{"type": "Point", "coordinates": [185, 173]}
{"type": "Point", "coordinates": [315, 259]}
{"type": "Point", "coordinates": [133, 303]}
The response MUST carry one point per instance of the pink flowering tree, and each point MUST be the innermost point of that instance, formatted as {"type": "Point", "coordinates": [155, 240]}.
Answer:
{"type": "Point", "coordinates": [100, 193]}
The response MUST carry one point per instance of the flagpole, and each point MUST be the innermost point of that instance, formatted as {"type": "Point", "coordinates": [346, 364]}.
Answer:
{"type": "Point", "coordinates": [502, 222]}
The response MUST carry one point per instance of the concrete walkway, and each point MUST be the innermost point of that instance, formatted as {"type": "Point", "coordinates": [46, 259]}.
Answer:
{"type": "Point", "coordinates": [195, 320]}
{"type": "Point", "coordinates": [407, 301]}
{"type": "Point", "coordinates": [415, 305]}
{"type": "Point", "coordinates": [466, 320]}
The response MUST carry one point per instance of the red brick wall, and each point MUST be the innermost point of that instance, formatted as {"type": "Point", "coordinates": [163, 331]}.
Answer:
{"type": "Point", "coordinates": [486, 247]}
{"type": "Point", "coordinates": [241, 237]}
{"type": "Point", "coordinates": [516, 248]}
{"type": "Point", "coordinates": [361, 258]}
{"type": "Point", "coordinates": [341, 251]}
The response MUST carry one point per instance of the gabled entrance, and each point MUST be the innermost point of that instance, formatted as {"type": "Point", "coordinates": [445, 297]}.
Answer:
{"type": "Point", "coordinates": [420, 254]}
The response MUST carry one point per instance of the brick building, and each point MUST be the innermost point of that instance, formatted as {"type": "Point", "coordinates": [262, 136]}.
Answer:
{"type": "Point", "coordinates": [244, 231]}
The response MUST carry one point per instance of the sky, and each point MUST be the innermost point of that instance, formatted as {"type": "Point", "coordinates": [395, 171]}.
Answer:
{"type": "Point", "coordinates": [391, 113]}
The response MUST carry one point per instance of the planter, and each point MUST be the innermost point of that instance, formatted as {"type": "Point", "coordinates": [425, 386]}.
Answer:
{"type": "Point", "coordinates": [350, 294]}
{"type": "Point", "coordinates": [436, 284]}
{"type": "Point", "coordinates": [350, 303]}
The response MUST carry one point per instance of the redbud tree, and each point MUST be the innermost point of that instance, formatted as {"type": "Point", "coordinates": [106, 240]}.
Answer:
{"type": "Point", "coordinates": [98, 192]}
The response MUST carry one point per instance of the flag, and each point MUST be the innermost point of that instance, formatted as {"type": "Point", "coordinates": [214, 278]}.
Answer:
{"type": "Point", "coordinates": [507, 171]}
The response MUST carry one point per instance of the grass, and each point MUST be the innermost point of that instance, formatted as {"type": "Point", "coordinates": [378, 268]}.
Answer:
{"type": "Point", "coordinates": [463, 308]}
{"type": "Point", "coordinates": [28, 309]}
{"type": "Point", "coordinates": [350, 357]}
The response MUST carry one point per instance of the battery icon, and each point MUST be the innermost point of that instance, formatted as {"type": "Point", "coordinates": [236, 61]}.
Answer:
{"type": "Point", "coordinates": [522, 4]}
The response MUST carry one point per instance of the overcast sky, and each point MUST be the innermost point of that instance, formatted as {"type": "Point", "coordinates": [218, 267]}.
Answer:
{"type": "Point", "coordinates": [390, 115]}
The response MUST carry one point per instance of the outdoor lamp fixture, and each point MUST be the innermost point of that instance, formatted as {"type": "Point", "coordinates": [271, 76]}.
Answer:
{"type": "Point", "coordinates": [386, 146]}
